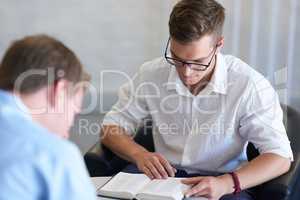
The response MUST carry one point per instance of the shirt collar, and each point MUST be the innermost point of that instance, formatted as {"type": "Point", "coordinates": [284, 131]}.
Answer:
{"type": "Point", "coordinates": [174, 83]}
{"type": "Point", "coordinates": [12, 105]}
{"type": "Point", "coordinates": [218, 82]}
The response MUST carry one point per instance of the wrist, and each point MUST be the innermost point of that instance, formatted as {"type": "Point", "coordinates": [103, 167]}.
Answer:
{"type": "Point", "coordinates": [237, 185]}
{"type": "Point", "coordinates": [228, 183]}
{"type": "Point", "coordinates": [135, 156]}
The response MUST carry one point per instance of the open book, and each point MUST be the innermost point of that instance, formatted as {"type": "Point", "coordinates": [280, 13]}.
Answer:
{"type": "Point", "coordinates": [139, 186]}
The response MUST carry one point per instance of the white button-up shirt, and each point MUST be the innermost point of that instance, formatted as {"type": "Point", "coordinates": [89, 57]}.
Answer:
{"type": "Point", "coordinates": [210, 131]}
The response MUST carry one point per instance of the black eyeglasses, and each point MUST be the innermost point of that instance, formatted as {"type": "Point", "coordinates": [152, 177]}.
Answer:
{"type": "Point", "coordinates": [192, 65]}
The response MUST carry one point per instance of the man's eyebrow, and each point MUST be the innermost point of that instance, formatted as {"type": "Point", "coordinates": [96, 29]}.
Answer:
{"type": "Point", "coordinates": [197, 60]}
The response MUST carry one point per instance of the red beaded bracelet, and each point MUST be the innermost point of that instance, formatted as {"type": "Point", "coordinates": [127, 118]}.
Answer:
{"type": "Point", "coordinates": [237, 186]}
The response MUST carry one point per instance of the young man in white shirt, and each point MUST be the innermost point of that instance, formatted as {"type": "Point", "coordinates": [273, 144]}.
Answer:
{"type": "Point", "coordinates": [205, 108]}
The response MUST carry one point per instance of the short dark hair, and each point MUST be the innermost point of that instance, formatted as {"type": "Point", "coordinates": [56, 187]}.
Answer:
{"type": "Point", "coordinates": [190, 20]}
{"type": "Point", "coordinates": [39, 52]}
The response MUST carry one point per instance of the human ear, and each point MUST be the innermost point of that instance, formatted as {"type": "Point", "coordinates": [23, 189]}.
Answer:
{"type": "Point", "coordinates": [57, 94]}
{"type": "Point", "coordinates": [220, 43]}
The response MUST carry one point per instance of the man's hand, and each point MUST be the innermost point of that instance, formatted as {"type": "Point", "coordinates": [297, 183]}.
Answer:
{"type": "Point", "coordinates": [212, 188]}
{"type": "Point", "coordinates": [154, 165]}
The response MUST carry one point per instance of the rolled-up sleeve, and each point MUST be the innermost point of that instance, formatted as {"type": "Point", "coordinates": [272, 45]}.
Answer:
{"type": "Point", "coordinates": [131, 107]}
{"type": "Point", "coordinates": [262, 120]}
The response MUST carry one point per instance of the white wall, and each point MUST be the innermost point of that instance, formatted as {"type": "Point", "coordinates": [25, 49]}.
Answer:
{"type": "Point", "coordinates": [105, 34]}
{"type": "Point", "coordinates": [264, 34]}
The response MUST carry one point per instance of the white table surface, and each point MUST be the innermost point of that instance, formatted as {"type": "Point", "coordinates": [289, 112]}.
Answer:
{"type": "Point", "coordinates": [100, 181]}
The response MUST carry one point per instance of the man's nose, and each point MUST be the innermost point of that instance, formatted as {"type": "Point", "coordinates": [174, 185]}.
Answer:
{"type": "Point", "coordinates": [187, 70]}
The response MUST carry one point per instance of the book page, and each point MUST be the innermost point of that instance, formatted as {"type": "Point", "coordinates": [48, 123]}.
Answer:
{"type": "Point", "coordinates": [170, 188]}
{"type": "Point", "coordinates": [124, 185]}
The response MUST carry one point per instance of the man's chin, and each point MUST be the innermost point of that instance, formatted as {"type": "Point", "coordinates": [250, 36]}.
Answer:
{"type": "Point", "coordinates": [189, 83]}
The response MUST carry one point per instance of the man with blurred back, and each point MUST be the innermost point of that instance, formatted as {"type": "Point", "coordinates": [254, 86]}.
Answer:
{"type": "Point", "coordinates": [40, 93]}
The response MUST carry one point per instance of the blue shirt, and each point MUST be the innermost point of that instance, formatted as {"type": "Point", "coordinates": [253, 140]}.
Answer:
{"type": "Point", "coordinates": [34, 163]}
